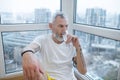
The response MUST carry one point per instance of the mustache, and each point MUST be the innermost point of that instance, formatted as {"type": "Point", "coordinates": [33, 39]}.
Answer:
{"type": "Point", "coordinates": [65, 33]}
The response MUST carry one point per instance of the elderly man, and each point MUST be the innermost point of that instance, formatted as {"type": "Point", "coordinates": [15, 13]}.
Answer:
{"type": "Point", "coordinates": [57, 54]}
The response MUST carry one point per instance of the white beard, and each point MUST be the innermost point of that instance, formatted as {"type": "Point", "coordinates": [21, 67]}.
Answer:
{"type": "Point", "coordinates": [61, 39]}
{"type": "Point", "coordinates": [58, 37]}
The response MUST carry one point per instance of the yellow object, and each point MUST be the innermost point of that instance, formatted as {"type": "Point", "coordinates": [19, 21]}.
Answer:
{"type": "Point", "coordinates": [50, 78]}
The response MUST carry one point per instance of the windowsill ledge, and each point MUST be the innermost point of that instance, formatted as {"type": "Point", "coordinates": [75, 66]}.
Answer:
{"type": "Point", "coordinates": [82, 77]}
{"type": "Point", "coordinates": [13, 76]}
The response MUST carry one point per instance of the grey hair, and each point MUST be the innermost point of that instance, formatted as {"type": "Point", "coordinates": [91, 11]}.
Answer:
{"type": "Point", "coordinates": [61, 14]}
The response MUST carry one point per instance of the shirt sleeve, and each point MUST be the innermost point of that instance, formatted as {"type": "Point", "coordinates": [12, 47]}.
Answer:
{"type": "Point", "coordinates": [38, 40]}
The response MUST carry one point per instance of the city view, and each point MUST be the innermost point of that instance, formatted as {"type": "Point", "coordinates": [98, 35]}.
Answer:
{"type": "Point", "coordinates": [102, 54]}
{"type": "Point", "coordinates": [99, 17]}
{"type": "Point", "coordinates": [38, 16]}
{"type": "Point", "coordinates": [92, 16]}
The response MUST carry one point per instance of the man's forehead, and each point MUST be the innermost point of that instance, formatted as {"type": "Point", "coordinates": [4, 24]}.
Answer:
{"type": "Point", "coordinates": [60, 19]}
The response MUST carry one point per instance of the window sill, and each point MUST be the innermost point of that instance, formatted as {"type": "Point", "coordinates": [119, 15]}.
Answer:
{"type": "Point", "coordinates": [82, 77]}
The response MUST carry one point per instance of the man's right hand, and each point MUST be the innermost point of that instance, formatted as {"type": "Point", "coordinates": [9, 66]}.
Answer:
{"type": "Point", "coordinates": [32, 70]}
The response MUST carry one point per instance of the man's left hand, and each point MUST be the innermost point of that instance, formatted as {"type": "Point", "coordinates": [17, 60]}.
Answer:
{"type": "Point", "coordinates": [74, 40]}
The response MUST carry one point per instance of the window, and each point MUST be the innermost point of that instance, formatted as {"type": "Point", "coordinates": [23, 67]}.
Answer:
{"type": "Point", "coordinates": [13, 43]}
{"type": "Point", "coordinates": [98, 13]}
{"type": "Point", "coordinates": [27, 11]}
{"type": "Point", "coordinates": [101, 54]}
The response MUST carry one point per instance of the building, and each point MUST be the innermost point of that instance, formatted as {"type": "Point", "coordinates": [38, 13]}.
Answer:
{"type": "Point", "coordinates": [0, 18]}
{"type": "Point", "coordinates": [42, 15]}
{"type": "Point", "coordinates": [95, 16]}
{"type": "Point", "coordinates": [7, 18]}
{"type": "Point", "coordinates": [118, 25]}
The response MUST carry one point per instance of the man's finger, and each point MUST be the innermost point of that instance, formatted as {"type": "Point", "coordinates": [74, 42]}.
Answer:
{"type": "Point", "coordinates": [24, 75]}
{"type": "Point", "coordinates": [32, 74]}
{"type": "Point", "coordinates": [28, 74]}
{"type": "Point", "coordinates": [41, 69]}
{"type": "Point", "coordinates": [38, 74]}
{"type": "Point", "coordinates": [69, 38]}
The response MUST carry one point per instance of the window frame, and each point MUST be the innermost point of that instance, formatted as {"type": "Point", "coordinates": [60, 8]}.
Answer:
{"type": "Point", "coordinates": [67, 9]}
{"type": "Point", "coordinates": [111, 33]}
{"type": "Point", "coordinates": [74, 19]}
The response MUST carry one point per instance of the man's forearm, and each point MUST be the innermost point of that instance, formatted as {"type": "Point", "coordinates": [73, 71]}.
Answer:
{"type": "Point", "coordinates": [81, 66]}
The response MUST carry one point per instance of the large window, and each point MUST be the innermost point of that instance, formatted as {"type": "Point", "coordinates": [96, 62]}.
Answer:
{"type": "Point", "coordinates": [98, 13]}
{"type": "Point", "coordinates": [102, 55]}
{"type": "Point", "coordinates": [13, 43]}
{"type": "Point", "coordinates": [27, 11]}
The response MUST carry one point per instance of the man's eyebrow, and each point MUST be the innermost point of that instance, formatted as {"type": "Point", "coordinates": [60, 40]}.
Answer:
{"type": "Point", "coordinates": [63, 25]}
{"type": "Point", "coordinates": [66, 25]}
{"type": "Point", "coordinates": [60, 25]}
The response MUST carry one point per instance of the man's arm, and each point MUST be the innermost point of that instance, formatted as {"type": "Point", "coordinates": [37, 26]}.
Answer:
{"type": "Point", "coordinates": [79, 56]}
{"type": "Point", "coordinates": [32, 70]}
{"type": "Point", "coordinates": [80, 61]}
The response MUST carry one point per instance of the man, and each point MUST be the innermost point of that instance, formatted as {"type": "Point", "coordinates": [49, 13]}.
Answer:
{"type": "Point", "coordinates": [57, 54]}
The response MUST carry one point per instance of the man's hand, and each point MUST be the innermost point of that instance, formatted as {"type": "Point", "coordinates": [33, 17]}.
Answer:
{"type": "Point", "coordinates": [74, 40]}
{"type": "Point", "coordinates": [32, 70]}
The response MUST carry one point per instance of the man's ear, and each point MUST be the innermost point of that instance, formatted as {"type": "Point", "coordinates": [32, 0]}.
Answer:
{"type": "Point", "coordinates": [50, 25]}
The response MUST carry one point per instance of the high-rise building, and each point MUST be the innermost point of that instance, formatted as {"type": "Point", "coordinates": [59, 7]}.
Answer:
{"type": "Point", "coordinates": [7, 18]}
{"type": "Point", "coordinates": [95, 16]}
{"type": "Point", "coordinates": [42, 15]}
{"type": "Point", "coordinates": [114, 21]}
{"type": "Point", "coordinates": [0, 18]}
{"type": "Point", "coordinates": [118, 25]}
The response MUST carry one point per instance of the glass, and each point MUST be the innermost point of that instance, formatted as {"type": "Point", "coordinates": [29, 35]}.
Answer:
{"type": "Point", "coordinates": [27, 11]}
{"type": "Point", "coordinates": [13, 43]}
{"type": "Point", "coordinates": [102, 55]}
{"type": "Point", "coordinates": [65, 36]}
{"type": "Point", "coordinates": [98, 13]}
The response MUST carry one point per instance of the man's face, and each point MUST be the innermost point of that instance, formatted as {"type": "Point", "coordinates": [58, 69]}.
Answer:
{"type": "Point", "coordinates": [59, 26]}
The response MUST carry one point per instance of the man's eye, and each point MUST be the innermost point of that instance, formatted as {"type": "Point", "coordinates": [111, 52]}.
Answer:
{"type": "Point", "coordinates": [66, 25]}
{"type": "Point", "coordinates": [61, 26]}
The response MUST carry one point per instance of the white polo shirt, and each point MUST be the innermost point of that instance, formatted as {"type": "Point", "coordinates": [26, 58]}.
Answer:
{"type": "Point", "coordinates": [56, 58]}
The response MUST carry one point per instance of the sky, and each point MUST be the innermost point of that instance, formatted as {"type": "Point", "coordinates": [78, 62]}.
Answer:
{"type": "Point", "coordinates": [112, 6]}
{"type": "Point", "coordinates": [28, 5]}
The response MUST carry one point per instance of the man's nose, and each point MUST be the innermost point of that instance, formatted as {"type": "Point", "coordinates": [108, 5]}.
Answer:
{"type": "Point", "coordinates": [64, 28]}
{"type": "Point", "coordinates": [65, 32]}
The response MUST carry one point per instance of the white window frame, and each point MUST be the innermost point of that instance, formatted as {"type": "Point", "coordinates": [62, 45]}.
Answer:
{"type": "Point", "coordinates": [67, 8]}
{"type": "Point", "coordinates": [16, 27]}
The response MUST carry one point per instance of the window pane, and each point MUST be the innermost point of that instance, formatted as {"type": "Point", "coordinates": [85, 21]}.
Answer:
{"type": "Point", "coordinates": [102, 56]}
{"type": "Point", "coordinates": [13, 42]}
{"type": "Point", "coordinates": [98, 13]}
{"type": "Point", "coordinates": [27, 11]}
